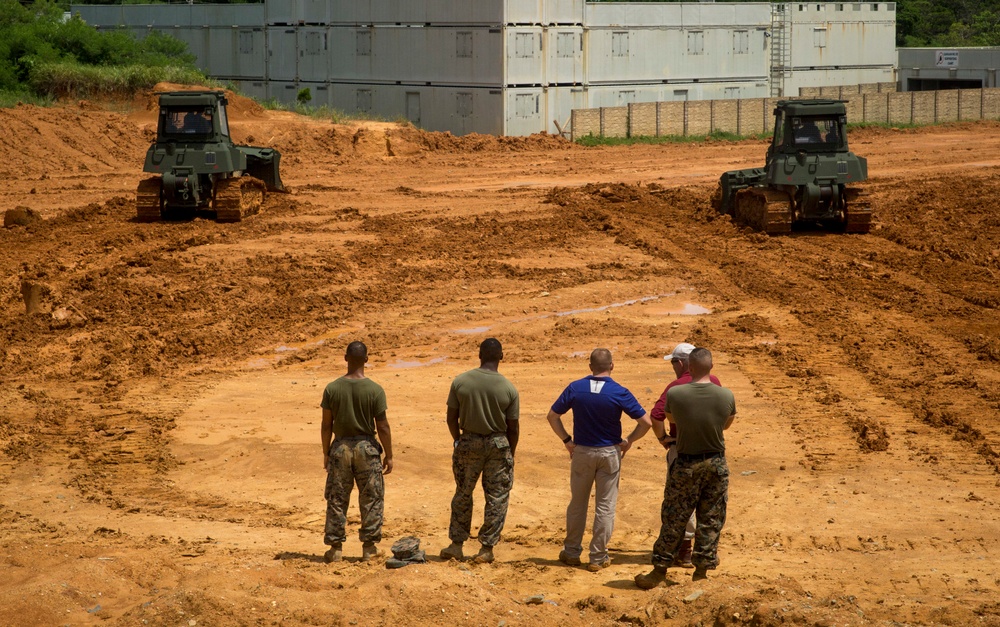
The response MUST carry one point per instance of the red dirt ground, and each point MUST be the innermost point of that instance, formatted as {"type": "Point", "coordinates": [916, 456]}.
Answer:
{"type": "Point", "coordinates": [159, 420]}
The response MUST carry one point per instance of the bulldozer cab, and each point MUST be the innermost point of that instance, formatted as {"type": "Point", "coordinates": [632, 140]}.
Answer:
{"type": "Point", "coordinates": [810, 126]}
{"type": "Point", "coordinates": [193, 118]}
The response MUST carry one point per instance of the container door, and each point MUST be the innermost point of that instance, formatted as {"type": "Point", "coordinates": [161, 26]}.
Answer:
{"type": "Point", "coordinates": [413, 107]}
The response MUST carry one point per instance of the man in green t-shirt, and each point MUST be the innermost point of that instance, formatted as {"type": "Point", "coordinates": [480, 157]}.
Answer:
{"type": "Point", "coordinates": [353, 412]}
{"type": "Point", "coordinates": [699, 478]}
{"type": "Point", "coordinates": [483, 412]}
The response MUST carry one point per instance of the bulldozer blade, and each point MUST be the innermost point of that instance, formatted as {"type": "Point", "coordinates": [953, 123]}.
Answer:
{"type": "Point", "coordinates": [262, 163]}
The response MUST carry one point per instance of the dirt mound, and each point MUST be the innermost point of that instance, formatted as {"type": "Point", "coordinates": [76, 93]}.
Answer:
{"type": "Point", "coordinates": [145, 104]}
{"type": "Point", "coordinates": [82, 137]}
{"type": "Point", "coordinates": [44, 143]}
{"type": "Point", "coordinates": [116, 352]}
{"type": "Point", "coordinates": [239, 106]}
{"type": "Point", "coordinates": [474, 142]}
{"type": "Point", "coordinates": [373, 141]}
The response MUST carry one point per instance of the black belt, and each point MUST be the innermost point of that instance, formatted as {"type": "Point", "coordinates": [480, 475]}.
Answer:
{"type": "Point", "coordinates": [700, 457]}
{"type": "Point", "coordinates": [484, 435]}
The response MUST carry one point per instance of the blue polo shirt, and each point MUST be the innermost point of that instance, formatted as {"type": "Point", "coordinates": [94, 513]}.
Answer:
{"type": "Point", "coordinates": [597, 404]}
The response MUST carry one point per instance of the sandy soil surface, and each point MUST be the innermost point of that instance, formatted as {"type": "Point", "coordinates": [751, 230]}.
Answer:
{"type": "Point", "coordinates": [159, 420]}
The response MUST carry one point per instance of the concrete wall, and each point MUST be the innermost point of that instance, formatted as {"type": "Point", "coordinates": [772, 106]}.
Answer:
{"type": "Point", "coordinates": [748, 116]}
{"type": "Point", "coordinates": [841, 92]}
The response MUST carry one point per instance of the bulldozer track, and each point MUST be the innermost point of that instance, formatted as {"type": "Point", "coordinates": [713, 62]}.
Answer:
{"type": "Point", "coordinates": [148, 200]}
{"type": "Point", "coordinates": [766, 210]}
{"type": "Point", "coordinates": [238, 198]}
{"type": "Point", "coordinates": [858, 211]}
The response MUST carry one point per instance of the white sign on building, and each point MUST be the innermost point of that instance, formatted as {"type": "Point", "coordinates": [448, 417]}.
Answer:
{"type": "Point", "coordinates": [946, 58]}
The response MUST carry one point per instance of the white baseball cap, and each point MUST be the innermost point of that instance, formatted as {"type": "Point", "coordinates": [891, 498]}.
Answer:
{"type": "Point", "coordinates": [681, 351]}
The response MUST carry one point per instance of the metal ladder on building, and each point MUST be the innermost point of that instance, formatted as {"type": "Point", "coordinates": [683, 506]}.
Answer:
{"type": "Point", "coordinates": [781, 47]}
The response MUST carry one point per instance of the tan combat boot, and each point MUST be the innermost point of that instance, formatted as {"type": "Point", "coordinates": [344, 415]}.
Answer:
{"type": "Point", "coordinates": [485, 556]}
{"type": "Point", "coordinates": [335, 554]}
{"type": "Point", "coordinates": [651, 579]}
{"type": "Point", "coordinates": [453, 552]}
{"type": "Point", "coordinates": [368, 551]}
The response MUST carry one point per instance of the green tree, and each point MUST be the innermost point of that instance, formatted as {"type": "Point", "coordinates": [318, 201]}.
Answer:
{"type": "Point", "coordinates": [37, 34]}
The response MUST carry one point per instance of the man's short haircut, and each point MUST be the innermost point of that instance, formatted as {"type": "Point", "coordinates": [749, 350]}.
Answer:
{"type": "Point", "coordinates": [356, 350]}
{"type": "Point", "coordinates": [490, 350]}
{"type": "Point", "coordinates": [701, 358]}
{"type": "Point", "coordinates": [600, 358]}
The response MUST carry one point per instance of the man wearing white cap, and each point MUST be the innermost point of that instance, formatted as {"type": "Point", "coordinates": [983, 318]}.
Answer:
{"type": "Point", "coordinates": [668, 438]}
{"type": "Point", "coordinates": [699, 477]}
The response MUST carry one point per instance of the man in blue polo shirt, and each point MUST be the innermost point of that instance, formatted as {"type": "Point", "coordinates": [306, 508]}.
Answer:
{"type": "Point", "coordinates": [595, 449]}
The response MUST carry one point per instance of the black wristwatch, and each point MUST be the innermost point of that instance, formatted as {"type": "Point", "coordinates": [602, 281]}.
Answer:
{"type": "Point", "coordinates": [568, 439]}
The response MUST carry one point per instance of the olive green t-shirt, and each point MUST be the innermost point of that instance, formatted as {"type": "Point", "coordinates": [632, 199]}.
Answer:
{"type": "Point", "coordinates": [485, 401]}
{"type": "Point", "coordinates": [700, 411]}
{"type": "Point", "coordinates": [354, 403]}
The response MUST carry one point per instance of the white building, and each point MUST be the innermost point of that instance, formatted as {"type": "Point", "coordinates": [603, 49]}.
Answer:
{"type": "Point", "coordinates": [515, 67]}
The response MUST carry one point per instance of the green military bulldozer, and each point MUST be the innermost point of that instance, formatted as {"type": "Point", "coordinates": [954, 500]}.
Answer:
{"type": "Point", "coordinates": [197, 165]}
{"type": "Point", "coordinates": [807, 175]}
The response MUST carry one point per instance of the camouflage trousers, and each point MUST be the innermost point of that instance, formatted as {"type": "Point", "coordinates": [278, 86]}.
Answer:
{"type": "Point", "coordinates": [488, 456]}
{"type": "Point", "coordinates": [702, 486]}
{"type": "Point", "coordinates": [354, 460]}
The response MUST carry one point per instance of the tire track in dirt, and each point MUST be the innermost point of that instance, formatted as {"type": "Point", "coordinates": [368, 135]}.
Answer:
{"type": "Point", "coordinates": [830, 292]}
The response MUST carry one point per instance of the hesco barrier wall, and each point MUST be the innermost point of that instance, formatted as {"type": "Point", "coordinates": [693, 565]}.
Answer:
{"type": "Point", "coordinates": [754, 115]}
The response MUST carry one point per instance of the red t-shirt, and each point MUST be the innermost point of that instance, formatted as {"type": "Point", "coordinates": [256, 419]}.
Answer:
{"type": "Point", "coordinates": [659, 409]}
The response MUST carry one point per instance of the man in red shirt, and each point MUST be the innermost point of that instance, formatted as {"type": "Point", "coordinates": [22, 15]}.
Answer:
{"type": "Point", "coordinates": [668, 438]}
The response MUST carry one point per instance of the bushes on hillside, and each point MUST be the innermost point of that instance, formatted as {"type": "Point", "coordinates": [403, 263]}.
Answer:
{"type": "Point", "coordinates": [44, 52]}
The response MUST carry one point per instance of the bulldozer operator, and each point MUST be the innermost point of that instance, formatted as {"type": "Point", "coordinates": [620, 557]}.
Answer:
{"type": "Point", "coordinates": [198, 122]}
{"type": "Point", "coordinates": [807, 132]}
{"type": "Point", "coordinates": [192, 123]}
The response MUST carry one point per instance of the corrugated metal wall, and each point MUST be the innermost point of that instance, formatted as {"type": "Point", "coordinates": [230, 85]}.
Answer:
{"type": "Point", "coordinates": [841, 44]}
{"type": "Point", "coordinates": [533, 61]}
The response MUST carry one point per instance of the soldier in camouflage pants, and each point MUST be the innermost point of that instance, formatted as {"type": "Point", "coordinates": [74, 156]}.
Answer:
{"type": "Point", "coordinates": [354, 459]}
{"type": "Point", "coordinates": [491, 457]}
{"type": "Point", "coordinates": [483, 418]}
{"type": "Point", "coordinates": [699, 478]}
{"type": "Point", "coordinates": [354, 409]}
{"type": "Point", "coordinates": [693, 483]}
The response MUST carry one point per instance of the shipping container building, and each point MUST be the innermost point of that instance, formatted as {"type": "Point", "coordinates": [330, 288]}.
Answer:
{"type": "Point", "coordinates": [515, 67]}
